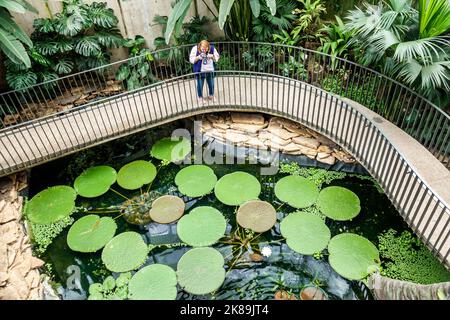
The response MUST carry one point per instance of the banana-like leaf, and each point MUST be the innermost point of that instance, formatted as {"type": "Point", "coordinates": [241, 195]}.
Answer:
{"type": "Point", "coordinates": [256, 7]}
{"type": "Point", "coordinates": [272, 4]}
{"type": "Point", "coordinates": [13, 48]}
{"type": "Point", "coordinates": [12, 5]}
{"type": "Point", "coordinates": [224, 11]}
{"type": "Point", "coordinates": [27, 6]}
{"type": "Point", "coordinates": [9, 25]}
{"type": "Point", "coordinates": [179, 11]}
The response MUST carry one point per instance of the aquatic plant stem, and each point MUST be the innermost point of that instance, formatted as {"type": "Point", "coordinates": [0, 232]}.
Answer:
{"type": "Point", "coordinates": [103, 211]}
{"type": "Point", "coordinates": [279, 207]}
{"type": "Point", "coordinates": [150, 184]}
{"type": "Point", "coordinates": [117, 192]}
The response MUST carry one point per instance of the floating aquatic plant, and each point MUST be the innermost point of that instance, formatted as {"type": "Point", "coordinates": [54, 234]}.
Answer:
{"type": "Point", "coordinates": [235, 188]}
{"type": "Point", "coordinates": [203, 226]}
{"type": "Point", "coordinates": [353, 256]}
{"type": "Point", "coordinates": [154, 282]}
{"type": "Point", "coordinates": [313, 293]}
{"type": "Point", "coordinates": [125, 252]}
{"type": "Point", "coordinates": [256, 215]}
{"type": "Point", "coordinates": [95, 181]}
{"type": "Point", "coordinates": [338, 203]}
{"type": "Point", "coordinates": [136, 210]}
{"type": "Point", "coordinates": [200, 270]}
{"type": "Point", "coordinates": [135, 174]}
{"type": "Point", "coordinates": [172, 149]}
{"type": "Point", "coordinates": [110, 289]}
{"type": "Point", "coordinates": [196, 180]}
{"type": "Point", "coordinates": [305, 233]}
{"type": "Point", "coordinates": [51, 205]}
{"type": "Point", "coordinates": [91, 233]}
{"type": "Point", "coordinates": [296, 191]}
{"type": "Point", "coordinates": [167, 209]}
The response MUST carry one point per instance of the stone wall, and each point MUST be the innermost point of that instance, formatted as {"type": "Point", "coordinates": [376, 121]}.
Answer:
{"type": "Point", "coordinates": [19, 270]}
{"type": "Point", "coordinates": [268, 132]}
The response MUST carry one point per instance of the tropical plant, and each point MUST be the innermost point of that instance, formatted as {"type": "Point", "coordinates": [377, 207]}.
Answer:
{"type": "Point", "coordinates": [136, 72]}
{"type": "Point", "coordinates": [237, 15]}
{"type": "Point", "coordinates": [294, 68]}
{"type": "Point", "coordinates": [309, 20]}
{"type": "Point", "coordinates": [77, 38]}
{"type": "Point", "coordinates": [408, 44]}
{"type": "Point", "coordinates": [260, 58]}
{"type": "Point", "coordinates": [267, 25]}
{"type": "Point", "coordinates": [335, 40]}
{"type": "Point", "coordinates": [12, 37]}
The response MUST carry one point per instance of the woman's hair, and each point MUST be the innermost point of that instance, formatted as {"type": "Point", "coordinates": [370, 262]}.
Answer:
{"type": "Point", "coordinates": [203, 43]}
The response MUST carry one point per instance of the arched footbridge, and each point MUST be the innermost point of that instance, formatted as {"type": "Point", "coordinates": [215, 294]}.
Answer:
{"type": "Point", "coordinates": [398, 136]}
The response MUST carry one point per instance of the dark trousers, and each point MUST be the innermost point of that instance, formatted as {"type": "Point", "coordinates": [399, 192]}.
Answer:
{"type": "Point", "coordinates": [201, 77]}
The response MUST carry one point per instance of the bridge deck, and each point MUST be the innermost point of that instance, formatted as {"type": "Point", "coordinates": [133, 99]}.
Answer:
{"type": "Point", "coordinates": [352, 127]}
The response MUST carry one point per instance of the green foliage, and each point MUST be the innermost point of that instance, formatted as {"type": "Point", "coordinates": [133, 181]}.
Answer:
{"type": "Point", "coordinates": [136, 72]}
{"type": "Point", "coordinates": [12, 37]}
{"type": "Point", "coordinates": [405, 257]}
{"type": "Point", "coordinates": [95, 181]}
{"type": "Point", "coordinates": [135, 174]}
{"type": "Point", "coordinates": [76, 39]}
{"type": "Point", "coordinates": [316, 175]}
{"type": "Point", "coordinates": [338, 203]}
{"type": "Point", "coordinates": [195, 180]}
{"type": "Point", "coordinates": [296, 191]}
{"type": "Point", "coordinates": [154, 282]}
{"type": "Point", "coordinates": [111, 289]}
{"type": "Point", "coordinates": [260, 58]}
{"type": "Point", "coordinates": [235, 188]}
{"type": "Point", "coordinates": [44, 234]}
{"type": "Point", "coordinates": [294, 68]}
{"type": "Point", "coordinates": [309, 20]}
{"type": "Point", "coordinates": [266, 25]}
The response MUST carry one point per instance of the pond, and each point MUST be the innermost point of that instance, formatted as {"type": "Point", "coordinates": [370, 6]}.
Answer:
{"type": "Point", "coordinates": [260, 267]}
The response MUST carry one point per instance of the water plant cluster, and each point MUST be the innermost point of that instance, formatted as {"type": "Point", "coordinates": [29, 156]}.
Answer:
{"type": "Point", "coordinates": [203, 268]}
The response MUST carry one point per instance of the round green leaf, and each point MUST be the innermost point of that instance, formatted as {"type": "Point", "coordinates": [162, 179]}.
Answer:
{"type": "Point", "coordinates": [352, 256]}
{"type": "Point", "coordinates": [51, 205]}
{"type": "Point", "coordinates": [135, 174]}
{"type": "Point", "coordinates": [305, 233]}
{"type": "Point", "coordinates": [200, 270]}
{"type": "Point", "coordinates": [296, 191]}
{"type": "Point", "coordinates": [167, 209]}
{"type": "Point", "coordinates": [95, 181]}
{"type": "Point", "coordinates": [203, 226]}
{"type": "Point", "coordinates": [126, 251]}
{"type": "Point", "coordinates": [338, 203]}
{"type": "Point", "coordinates": [91, 233]}
{"type": "Point", "coordinates": [171, 149]}
{"type": "Point", "coordinates": [235, 188]}
{"type": "Point", "coordinates": [196, 180]}
{"type": "Point", "coordinates": [256, 215]}
{"type": "Point", "coordinates": [154, 282]}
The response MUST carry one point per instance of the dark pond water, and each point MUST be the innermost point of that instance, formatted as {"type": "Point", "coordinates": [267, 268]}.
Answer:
{"type": "Point", "coordinates": [284, 269]}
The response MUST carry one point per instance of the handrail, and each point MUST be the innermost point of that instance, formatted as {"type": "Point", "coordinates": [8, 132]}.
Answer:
{"type": "Point", "coordinates": [394, 101]}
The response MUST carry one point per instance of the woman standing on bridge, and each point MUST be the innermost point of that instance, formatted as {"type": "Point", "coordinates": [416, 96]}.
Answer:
{"type": "Point", "coordinates": [203, 56]}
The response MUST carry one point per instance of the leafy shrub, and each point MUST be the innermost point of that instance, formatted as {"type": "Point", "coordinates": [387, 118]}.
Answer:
{"type": "Point", "coordinates": [76, 39]}
{"type": "Point", "coordinates": [405, 257]}
{"type": "Point", "coordinates": [259, 58]}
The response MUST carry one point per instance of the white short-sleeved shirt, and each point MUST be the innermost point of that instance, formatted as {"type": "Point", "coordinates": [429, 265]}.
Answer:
{"type": "Point", "coordinates": [209, 66]}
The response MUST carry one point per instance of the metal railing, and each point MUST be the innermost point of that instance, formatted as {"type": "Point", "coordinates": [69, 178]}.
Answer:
{"type": "Point", "coordinates": [245, 81]}
{"type": "Point", "coordinates": [411, 112]}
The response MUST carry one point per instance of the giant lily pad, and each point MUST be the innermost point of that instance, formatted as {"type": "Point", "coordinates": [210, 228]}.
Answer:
{"type": "Point", "coordinates": [91, 233]}
{"type": "Point", "coordinates": [135, 174]}
{"type": "Point", "coordinates": [338, 203]}
{"type": "Point", "coordinates": [305, 233]}
{"type": "Point", "coordinates": [51, 205]}
{"type": "Point", "coordinates": [154, 282]}
{"type": "Point", "coordinates": [196, 180]}
{"type": "Point", "coordinates": [171, 149]}
{"type": "Point", "coordinates": [95, 181]}
{"type": "Point", "coordinates": [296, 191]}
{"type": "Point", "coordinates": [125, 252]}
{"type": "Point", "coordinates": [353, 256]}
{"type": "Point", "coordinates": [203, 226]}
{"type": "Point", "coordinates": [167, 209]}
{"type": "Point", "coordinates": [256, 215]}
{"type": "Point", "coordinates": [200, 270]}
{"type": "Point", "coordinates": [235, 188]}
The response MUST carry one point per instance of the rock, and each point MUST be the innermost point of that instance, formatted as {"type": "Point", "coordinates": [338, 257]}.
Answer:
{"type": "Point", "coordinates": [215, 118]}
{"type": "Point", "coordinates": [9, 293]}
{"type": "Point", "coordinates": [24, 267]}
{"type": "Point", "coordinates": [343, 156]}
{"type": "Point", "coordinates": [247, 118]}
{"type": "Point", "coordinates": [36, 263]}
{"type": "Point", "coordinates": [206, 125]}
{"type": "Point", "coordinates": [311, 293]}
{"type": "Point", "coordinates": [8, 213]}
{"type": "Point", "coordinates": [322, 155]}
{"type": "Point", "coordinates": [32, 279]}
{"type": "Point", "coordinates": [3, 256]}
{"type": "Point", "coordinates": [3, 278]}
{"type": "Point", "coordinates": [324, 149]}
{"type": "Point", "coordinates": [256, 257]}
{"type": "Point", "coordinates": [328, 160]}
{"type": "Point", "coordinates": [220, 125]}
{"type": "Point", "coordinates": [250, 128]}
{"type": "Point", "coordinates": [255, 143]}
{"type": "Point", "coordinates": [311, 153]}
{"type": "Point", "coordinates": [18, 281]}
{"type": "Point", "coordinates": [280, 132]}
{"type": "Point", "coordinates": [264, 136]}
{"type": "Point", "coordinates": [291, 147]}
{"type": "Point", "coordinates": [9, 232]}
{"type": "Point", "coordinates": [235, 136]}
{"type": "Point", "coordinates": [307, 142]}
{"type": "Point", "coordinates": [272, 145]}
